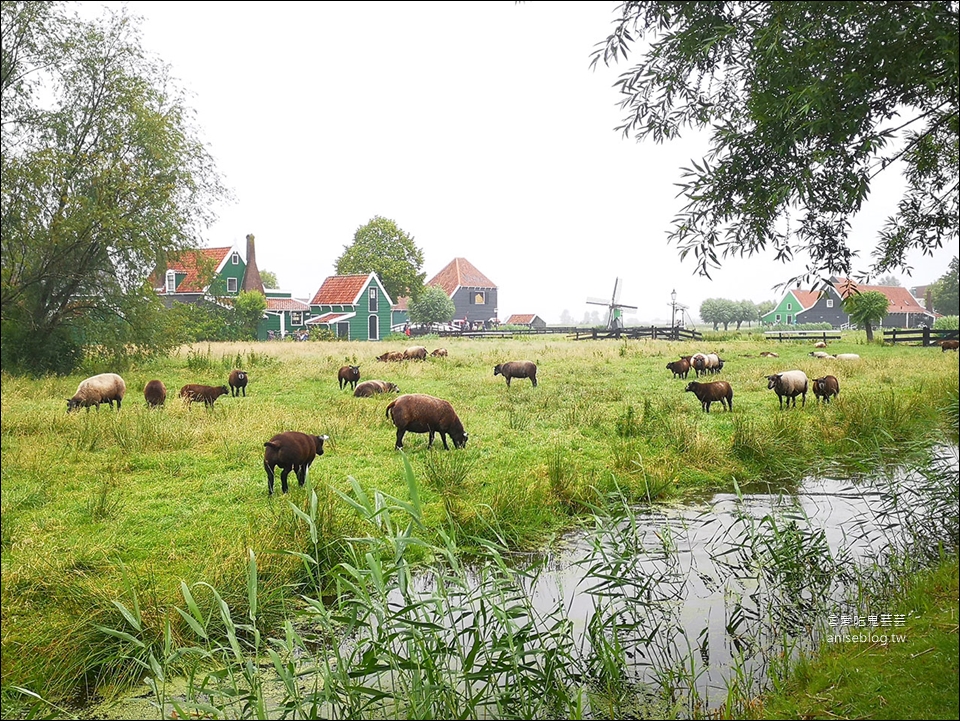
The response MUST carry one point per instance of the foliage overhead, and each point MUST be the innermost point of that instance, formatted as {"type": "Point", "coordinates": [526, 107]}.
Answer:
{"type": "Point", "coordinates": [383, 248]}
{"type": "Point", "coordinates": [866, 309]}
{"type": "Point", "coordinates": [103, 176]}
{"type": "Point", "coordinates": [806, 103]}
{"type": "Point", "coordinates": [433, 305]}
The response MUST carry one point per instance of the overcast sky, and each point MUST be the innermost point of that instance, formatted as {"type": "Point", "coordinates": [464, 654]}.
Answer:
{"type": "Point", "coordinates": [477, 127]}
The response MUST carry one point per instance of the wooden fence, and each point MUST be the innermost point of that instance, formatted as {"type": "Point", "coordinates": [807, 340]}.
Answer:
{"type": "Point", "coordinates": [632, 333]}
{"type": "Point", "coordinates": [782, 335]}
{"type": "Point", "coordinates": [923, 336]}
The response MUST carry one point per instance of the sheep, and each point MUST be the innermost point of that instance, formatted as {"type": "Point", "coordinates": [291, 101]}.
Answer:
{"type": "Point", "coordinates": [291, 451]}
{"type": "Point", "coordinates": [349, 375]}
{"type": "Point", "coordinates": [946, 345]}
{"type": "Point", "coordinates": [847, 356]}
{"type": "Point", "coordinates": [155, 393]}
{"type": "Point", "coordinates": [374, 387]}
{"type": "Point", "coordinates": [680, 368]}
{"type": "Point", "coordinates": [820, 344]}
{"type": "Point", "coordinates": [208, 394]}
{"type": "Point", "coordinates": [390, 355]}
{"type": "Point", "coordinates": [825, 387]}
{"type": "Point", "coordinates": [704, 363]}
{"type": "Point", "coordinates": [420, 413]}
{"type": "Point", "coordinates": [102, 388]}
{"type": "Point", "coordinates": [711, 392]}
{"type": "Point", "coordinates": [769, 354]}
{"type": "Point", "coordinates": [439, 353]}
{"type": "Point", "coordinates": [820, 354]}
{"type": "Point", "coordinates": [417, 352]}
{"type": "Point", "coordinates": [790, 384]}
{"type": "Point", "coordinates": [238, 381]}
{"type": "Point", "coordinates": [517, 369]}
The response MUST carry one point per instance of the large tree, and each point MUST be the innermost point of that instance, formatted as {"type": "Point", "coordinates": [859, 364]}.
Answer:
{"type": "Point", "coordinates": [866, 309]}
{"type": "Point", "coordinates": [805, 102]}
{"type": "Point", "coordinates": [945, 292]}
{"type": "Point", "coordinates": [432, 305]}
{"type": "Point", "coordinates": [382, 247]}
{"type": "Point", "coordinates": [103, 175]}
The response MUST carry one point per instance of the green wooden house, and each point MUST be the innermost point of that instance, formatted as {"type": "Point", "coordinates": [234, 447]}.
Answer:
{"type": "Point", "coordinates": [354, 307]}
{"type": "Point", "coordinates": [204, 274]}
{"type": "Point", "coordinates": [793, 303]}
{"type": "Point", "coordinates": [284, 316]}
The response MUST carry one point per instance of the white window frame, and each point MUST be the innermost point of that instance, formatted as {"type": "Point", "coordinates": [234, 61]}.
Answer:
{"type": "Point", "coordinates": [829, 302]}
{"type": "Point", "coordinates": [235, 259]}
{"type": "Point", "coordinates": [296, 317]}
{"type": "Point", "coordinates": [373, 300]}
{"type": "Point", "coordinates": [232, 285]}
{"type": "Point", "coordinates": [171, 281]}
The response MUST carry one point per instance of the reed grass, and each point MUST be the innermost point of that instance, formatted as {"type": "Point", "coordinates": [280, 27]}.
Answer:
{"type": "Point", "coordinates": [179, 493]}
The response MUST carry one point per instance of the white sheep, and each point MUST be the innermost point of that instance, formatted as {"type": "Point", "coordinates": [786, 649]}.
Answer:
{"type": "Point", "coordinates": [847, 356]}
{"type": "Point", "coordinates": [103, 388]}
{"type": "Point", "coordinates": [790, 384]}
{"type": "Point", "coordinates": [820, 354]}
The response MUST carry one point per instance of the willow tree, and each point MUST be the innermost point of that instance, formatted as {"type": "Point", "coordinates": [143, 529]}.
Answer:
{"type": "Point", "coordinates": [103, 176]}
{"type": "Point", "coordinates": [866, 309]}
{"type": "Point", "coordinates": [806, 103]}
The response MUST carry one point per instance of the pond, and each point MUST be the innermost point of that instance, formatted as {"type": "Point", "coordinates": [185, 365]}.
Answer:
{"type": "Point", "coordinates": [660, 612]}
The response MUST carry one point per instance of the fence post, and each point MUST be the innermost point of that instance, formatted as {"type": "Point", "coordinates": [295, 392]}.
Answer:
{"type": "Point", "coordinates": [926, 335]}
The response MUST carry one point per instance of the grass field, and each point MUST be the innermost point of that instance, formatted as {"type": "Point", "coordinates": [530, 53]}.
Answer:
{"type": "Point", "coordinates": [104, 506]}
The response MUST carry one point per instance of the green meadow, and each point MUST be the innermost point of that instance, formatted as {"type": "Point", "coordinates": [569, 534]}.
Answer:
{"type": "Point", "coordinates": [101, 506]}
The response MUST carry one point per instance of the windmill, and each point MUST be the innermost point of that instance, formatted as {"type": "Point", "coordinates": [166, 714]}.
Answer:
{"type": "Point", "coordinates": [614, 306]}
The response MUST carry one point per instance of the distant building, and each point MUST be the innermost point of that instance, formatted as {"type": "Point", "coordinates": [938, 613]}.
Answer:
{"type": "Point", "coordinates": [473, 294]}
{"type": "Point", "coordinates": [528, 319]}
{"type": "Point", "coordinates": [199, 275]}
{"type": "Point", "coordinates": [355, 307]}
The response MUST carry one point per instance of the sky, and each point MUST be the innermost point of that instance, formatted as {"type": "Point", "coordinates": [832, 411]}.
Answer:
{"type": "Point", "coordinates": [478, 127]}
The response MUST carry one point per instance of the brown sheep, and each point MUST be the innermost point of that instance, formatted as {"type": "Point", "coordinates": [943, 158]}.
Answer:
{"type": "Point", "coordinates": [517, 369]}
{"type": "Point", "coordinates": [102, 388]}
{"type": "Point", "coordinates": [825, 387]}
{"type": "Point", "coordinates": [439, 353]}
{"type": "Point", "coordinates": [820, 344]}
{"type": "Point", "coordinates": [291, 451]}
{"type": "Point", "coordinates": [680, 368]}
{"type": "Point", "coordinates": [391, 355]}
{"type": "Point", "coordinates": [155, 393]}
{"type": "Point", "coordinates": [420, 413]}
{"type": "Point", "coordinates": [949, 345]}
{"type": "Point", "coordinates": [417, 352]}
{"type": "Point", "coordinates": [769, 354]}
{"type": "Point", "coordinates": [372, 388]}
{"type": "Point", "coordinates": [238, 381]}
{"type": "Point", "coordinates": [208, 394]}
{"type": "Point", "coordinates": [349, 375]}
{"type": "Point", "coordinates": [712, 392]}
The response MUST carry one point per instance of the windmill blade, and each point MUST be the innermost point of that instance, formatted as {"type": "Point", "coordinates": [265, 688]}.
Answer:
{"type": "Point", "coordinates": [631, 307]}
{"type": "Point", "coordinates": [617, 290]}
{"type": "Point", "coordinates": [597, 301]}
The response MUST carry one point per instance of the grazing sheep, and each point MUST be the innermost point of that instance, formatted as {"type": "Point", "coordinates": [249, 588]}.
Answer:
{"type": "Point", "coordinates": [349, 375]}
{"type": "Point", "coordinates": [291, 451]}
{"type": "Point", "coordinates": [238, 381]}
{"type": "Point", "coordinates": [949, 345]}
{"type": "Point", "coordinates": [825, 387]}
{"type": "Point", "coordinates": [155, 393]}
{"type": "Point", "coordinates": [704, 363]}
{"type": "Point", "coordinates": [417, 352]}
{"type": "Point", "coordinates": [790, 384]}
{"type": "Point", "coordinates": [680, 368]}
{"type": "Point", "coordinates": [420, 413]}
{"type": "Point", "coordinates": [439, 353]}
{"type": "Point", "coordinates": [820, 354]}
{"type": "Point", "coordinates": [769, 354]}
{"type": "Point", "coordinates": [820, 344]}
{"type": "Point", "coordinates": [847, 356]}
{"type": "Point", "coordinates": [712, 392]}
{"type": "Point", "coordinates": [102, 388]}
{"type": "Point", "coordinates": [390, 355]}
{"type": "Point", "coordinates": [517, 369]}
{"type": "Point", "coordinates": [208, 394]}
{"type": "Point", "coordinates": [372, 388]}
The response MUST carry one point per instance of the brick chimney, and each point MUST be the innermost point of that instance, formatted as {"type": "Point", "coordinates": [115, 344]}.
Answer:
{"type": "Point", "coordinates": [251, 276]}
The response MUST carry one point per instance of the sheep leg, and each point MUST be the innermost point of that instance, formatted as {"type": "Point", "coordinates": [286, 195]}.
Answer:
{"type": "Point", "coordinates": [269, 470]}
{"type": "Point", "coordinates": [443, 437]}
{"type": "Point", "coordinates": [430, 444]}
{"type": "Point", "coordinates": [302, 474]}
{"type": "Point", "coordinates": [283, 479]}
{"type": "Point", "coordinates": [400, 439]}
{"type": "Point", "coordinates": [508, 381]}
{"type": "Point", "coordinates": [534, 381]}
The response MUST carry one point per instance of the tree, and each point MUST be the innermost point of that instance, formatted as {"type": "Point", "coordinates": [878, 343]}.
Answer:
{"type": "Point", "coordinates": [432, 305]}
{"type": "Point", "coordinates": [383, 248]}
{"type": "Point", "coordinates": [889, 280]}
{"type": "Point", "coordinates": [746, 312]}
{"type": "Point", "coordinates": [269, 279]}
{"type": "Point", "coordinates": [103, 176]}
{"type": "Point", "coordinates": [566, 318]}
{"type": "Point", "coordinates": [765, 306]}
{"type": "Point", "coordinates": [249, 306]}
{"type": "Point", "coordinates": [806, 103]}
{"type": "Point", "coordinates": [866, 308]}
{"type": "Point", "coordinates": [945, 292]}
{"type": "Point", "coordinates": [719, 310]}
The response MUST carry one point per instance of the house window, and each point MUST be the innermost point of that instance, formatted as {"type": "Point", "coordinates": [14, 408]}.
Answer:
{"type": "Point", "coordinates": [478, 298]}
{"type": "Point", "coordinates": [171, 281]}
{"type": "Point", "coordinates": [829, 302]}
{"type": "Point", "coordinates": [343, 330]}
{"type": "Point", "coordinates": [789, 306]}
{"type": "Point", "coordinates": [373, 300]}
{"type": "Point", "coordinates": [231, 285]}
{"type": "Point", "coordinates": [778, 317]}
{"type": "Point", "coordinates": [296, 317]}
{"type": "Point", "coordinates": [235, 259]}
{"type": "Point", "coordinates": [789, 319]}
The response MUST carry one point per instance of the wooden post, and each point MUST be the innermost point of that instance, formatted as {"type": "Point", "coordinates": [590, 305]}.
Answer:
{"type": "Point", "coordinates": [926, 335]}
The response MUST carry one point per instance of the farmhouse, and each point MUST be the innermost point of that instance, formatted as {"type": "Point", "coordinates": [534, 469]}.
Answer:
{"type": "Point", "coordinates": [354, 307]}
{"type": "Point", "coordinates": [528, 319]}
{"type": "Point", "coordinates": [202, 275]}
{"type": "Point", "coordinates": [473, 294]}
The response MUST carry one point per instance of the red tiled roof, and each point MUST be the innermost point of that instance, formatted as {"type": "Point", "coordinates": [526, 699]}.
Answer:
{"type": "Point", "coordinates": [193, 262]}
{"type": "Point", "coordinates": [900, 299]}
{"type": "Point", "coordinates": [286, 304]}
{"type": "Point", "coordinates": [806, 298]}
{"type": "Point", "coordinates": [403, 303]}
{"type": "Point", "coordinates": [521, 319]}
{"type": "Point", "coordinates": [340, 290]}
{"type": "Point", "coordinates": [460, 273]}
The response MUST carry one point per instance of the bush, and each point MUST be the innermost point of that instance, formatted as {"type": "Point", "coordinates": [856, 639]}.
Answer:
{"type": "Point", "coordinates": [947, 322]}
